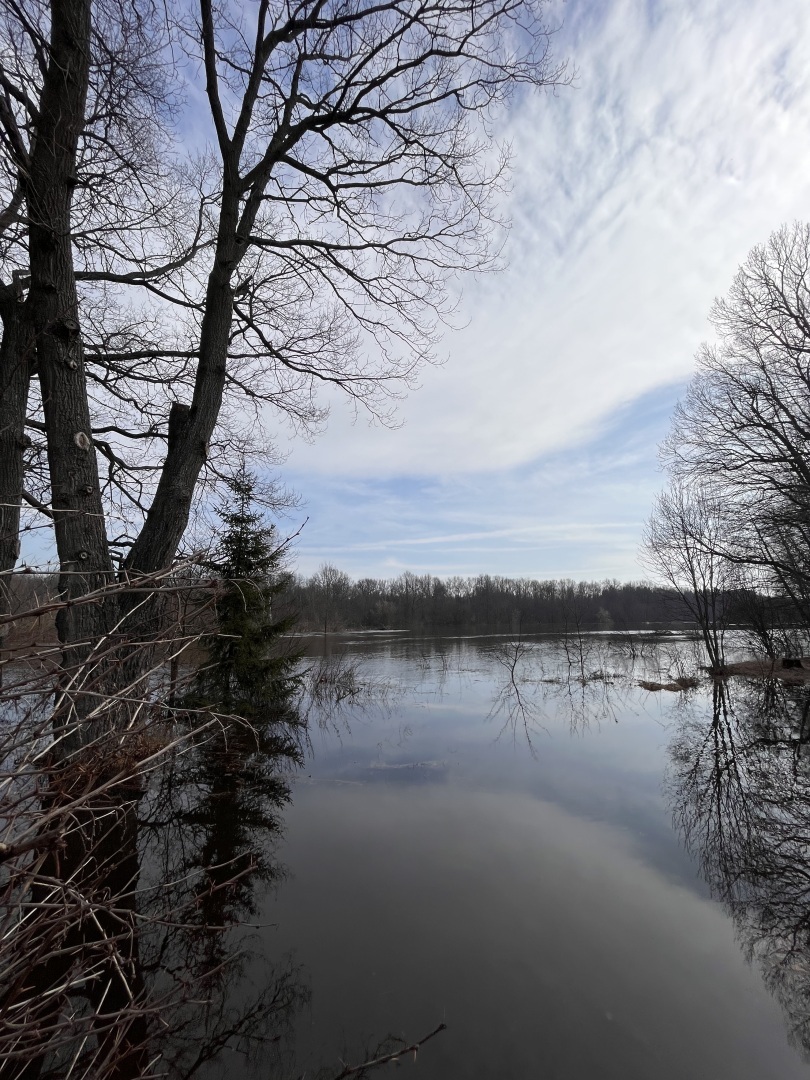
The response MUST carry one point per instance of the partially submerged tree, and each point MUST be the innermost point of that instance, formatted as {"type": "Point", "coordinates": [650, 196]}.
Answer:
{"type": "Point", "coordinates": [740, 439]}
{"type": "Point", "coordinates": [683, 543]}
{"type": "Point", "coordinates": [350, 176]}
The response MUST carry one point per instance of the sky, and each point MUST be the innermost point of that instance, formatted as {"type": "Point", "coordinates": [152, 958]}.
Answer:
{"type": "Point", "coordinates": [531, 450]}
{"type": "Point", "coordinates": [636, 193]}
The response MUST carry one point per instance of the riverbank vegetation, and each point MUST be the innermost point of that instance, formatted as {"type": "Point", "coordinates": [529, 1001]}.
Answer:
{"type": "Point", "coordinates": [734, 523]}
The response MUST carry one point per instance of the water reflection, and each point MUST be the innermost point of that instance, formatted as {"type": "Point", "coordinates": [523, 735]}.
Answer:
{"type": "Point", "coordinates": [539, 902]}
{"type": "Point", "coordinates": [134, 921]}
{"type": "Point", "coordinates": [740, 788]}
{"type": "Point", "coordinates": [739, 781]}
{"type": "Point", "coordinates": [514, 704]}
{"type": "Point", "coordinates": [123, 942]}
{"type": "Point", "coordinates": [425, 855]}
{"type": "Point", "coordinates": [584, 681]}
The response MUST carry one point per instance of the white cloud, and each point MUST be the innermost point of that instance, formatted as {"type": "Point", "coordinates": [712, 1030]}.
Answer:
{"type": "Point", "coordinates": [635, 196]}
{"type": "Point", "coordinates": [568, 515]}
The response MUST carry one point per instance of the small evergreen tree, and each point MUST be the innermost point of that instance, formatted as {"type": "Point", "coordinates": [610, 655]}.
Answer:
{"type": "Point", "coordinates": [248, 672]}
{"type": "Point", "coordinates": [249, 679]}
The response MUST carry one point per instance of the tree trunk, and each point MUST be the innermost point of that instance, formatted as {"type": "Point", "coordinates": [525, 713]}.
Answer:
{"type": "Point", "coordinates": [53, 314]}
{"type": "Point", "coordinates": [191, 427]}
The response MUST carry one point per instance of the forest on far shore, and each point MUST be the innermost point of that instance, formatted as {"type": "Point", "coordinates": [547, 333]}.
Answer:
{"type": "Point", "coordinates": [330, 600]}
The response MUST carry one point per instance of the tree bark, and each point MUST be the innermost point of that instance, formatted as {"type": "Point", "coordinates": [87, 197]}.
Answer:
{"type": "Point", "coordinates": [53, 314]}
{"type": "Point", "coordinates": [191, 427]}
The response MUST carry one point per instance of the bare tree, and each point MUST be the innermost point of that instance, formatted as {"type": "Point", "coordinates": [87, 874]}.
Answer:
{"type": "Point", "coordinates": [742, 433]}
{"type": "Point", "coordinates": [331, 587]}
{"type": "Point", "coordinates": [150, 290]}
{"type": "Point", "coordinates": [311, 241]}
{"type": "Point", "coordinates": [683, 544]}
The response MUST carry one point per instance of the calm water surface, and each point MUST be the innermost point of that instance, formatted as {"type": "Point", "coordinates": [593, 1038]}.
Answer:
{"type": "Point", "coordinates": [483, 840]}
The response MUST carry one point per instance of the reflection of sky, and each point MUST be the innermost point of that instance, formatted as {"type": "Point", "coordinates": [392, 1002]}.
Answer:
{"type": "Point", "coordinates": [541, 906]}
{"type": "Point", "coordinates": [608, 769]}
{"type": "Point", "coordinates": [635, 197]}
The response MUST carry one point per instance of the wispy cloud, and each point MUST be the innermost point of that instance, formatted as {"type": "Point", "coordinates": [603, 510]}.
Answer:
{"type": "Point", "coordinates": [686, 140]}
{"type": "Point", "coordinates": [572, 530]}
{"type": "Point", "coordinates": [635, 196]}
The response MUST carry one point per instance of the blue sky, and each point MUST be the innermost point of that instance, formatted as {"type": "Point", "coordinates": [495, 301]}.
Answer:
{"type": "Point", "coordinates": [532, 449]}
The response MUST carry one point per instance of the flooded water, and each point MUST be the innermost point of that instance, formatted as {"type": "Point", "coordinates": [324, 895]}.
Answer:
{"type": "Point", "coordinates": [531, 845]}
{"type": "Point", "coordinates": [579, 877]}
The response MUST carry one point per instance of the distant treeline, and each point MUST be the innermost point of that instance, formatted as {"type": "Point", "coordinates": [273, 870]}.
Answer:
{"type": "Point", "coordinates": [331, 600]}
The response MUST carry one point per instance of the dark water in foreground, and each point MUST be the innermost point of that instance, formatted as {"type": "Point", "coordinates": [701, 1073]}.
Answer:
{"type": "Point", "coordinates": [580, 875]}
{"type": "Point", "coordinates": [483, 840]}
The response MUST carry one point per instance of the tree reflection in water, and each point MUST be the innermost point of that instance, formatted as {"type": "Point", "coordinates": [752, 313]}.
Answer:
{"type": "Point", "coordinates": [129, 877]}
{"type": "Point", "coordinates": [126, 945]}
{"type": "Point", "coordinates": [740, 790]}
{"type": "Point", "coordinates": [586, 682]}
{"type": "Point", "coordinates": [130, 948]}
{"type": "Point", "coordinates": [738, 784]}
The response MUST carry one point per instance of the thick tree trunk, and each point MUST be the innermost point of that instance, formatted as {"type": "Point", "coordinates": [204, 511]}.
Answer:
{"type": "Point", "coordinates": [191, 427]}
{"type": "Point", "coordinates": [190, 430]}
{"type": "Point", "coordinates": [53, 314]}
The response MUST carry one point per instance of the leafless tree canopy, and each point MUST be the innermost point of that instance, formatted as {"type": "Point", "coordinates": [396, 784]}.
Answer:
{"type": "Point", "coordinates": [684, 542]}
{"type": "Point", "coordinates": [740, 440]}
{"type": "Point", "coordinates": [256, 200]}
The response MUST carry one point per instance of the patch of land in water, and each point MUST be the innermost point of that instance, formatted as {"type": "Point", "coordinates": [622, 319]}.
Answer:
{"type": "Point", "coordinates": [795, 671]}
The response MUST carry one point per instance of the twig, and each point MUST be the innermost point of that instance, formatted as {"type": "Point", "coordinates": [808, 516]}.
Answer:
{"type": "Point", "coordinates": [374, 1063]}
